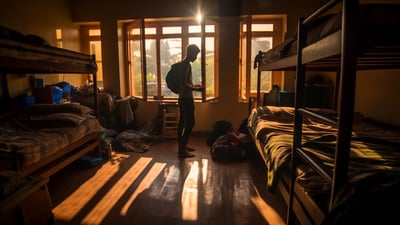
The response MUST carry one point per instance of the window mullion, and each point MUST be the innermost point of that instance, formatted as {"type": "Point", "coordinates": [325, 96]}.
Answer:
{"type": "Point", "coordinates": [143, 49]}
{"type": "Point", "coordinates": [203, 58]}
{"type": "Point", "coordinates": [248, 57]}
{"type": "Point", "coordinates": [158, 59]}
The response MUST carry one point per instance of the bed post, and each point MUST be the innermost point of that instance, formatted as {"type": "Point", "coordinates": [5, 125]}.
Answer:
{"type": "Point", "coordinates": [257, 64]}
{"type": "Point", "coordinates": [298, 117]}
{"type": "Point", "coordinates": [95, 100]}
{"type": "Point", "coordinates": [347, 95]}
{"type": "Point", "coordinates": [5, 100]}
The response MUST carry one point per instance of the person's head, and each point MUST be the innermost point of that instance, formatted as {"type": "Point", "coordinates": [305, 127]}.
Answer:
{"type": "Point", "coordinates": [191, 52]}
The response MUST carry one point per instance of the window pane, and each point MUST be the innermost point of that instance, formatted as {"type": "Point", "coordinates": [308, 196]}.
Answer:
{"type": "Point", "coordinates": [243, 68]}
{"type": "Point", "coordinates": [172, 30]}
{"type": "Point", "coordinates": [260, 44]}
{"type": "Point", "coordinates": [262, 27]}
{"type": "Point", "coordinates": [135, 68]}
{"type": "Point", "coordinates": [195, 29]}
{"type": "Point", "coordinates": [170, 53]}
{"type": "Point", "coordinates": [210, 67]}
{"type": "Point", "coordinates": [95, 48]}
{"type": "Point", "coordinates": [94, 32]}
{"type": "Point", "coordinates": [151, 67]}
{"type": "Point", "coordinates": [210, 28]}
{"type": "Point", "coordinates": [151, 30]}
{"type": "Point", "coordinates": [58, 34]}
{"type": "Point", "coordinates": [134, 31]}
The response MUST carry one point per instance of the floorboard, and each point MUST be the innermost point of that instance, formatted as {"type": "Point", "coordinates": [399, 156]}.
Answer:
{"type": "Point", "coordinates": [156, 187]}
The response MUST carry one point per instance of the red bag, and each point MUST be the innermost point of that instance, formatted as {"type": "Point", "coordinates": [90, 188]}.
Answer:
{"type": "Point", "coordinates": [228, 147]}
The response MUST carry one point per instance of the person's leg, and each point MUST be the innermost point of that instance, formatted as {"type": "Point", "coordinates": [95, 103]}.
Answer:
{"type": "Point", "coordinates": [181, 123]}
{"type": "Point", "coordinates": [189, 122]}
{"type": "Point", "coordinates": [185, 126]}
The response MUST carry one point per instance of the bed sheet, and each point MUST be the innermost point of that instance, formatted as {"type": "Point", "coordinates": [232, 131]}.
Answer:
{"type": "Point", "coordinates": [373, 147]}
{"type": "Point", "coordinates": [40, 131]}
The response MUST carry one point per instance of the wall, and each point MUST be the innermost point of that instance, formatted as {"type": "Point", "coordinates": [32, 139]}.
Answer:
{"type": "Point", "coordinates": [377, 95]}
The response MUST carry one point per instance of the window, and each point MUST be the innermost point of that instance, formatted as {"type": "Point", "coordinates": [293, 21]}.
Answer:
{"type": "Point", "coordinates": [153, 45]}
{"type": "Point", "coordinates": [59, 38]}
{"type": "Point", "coordinates": [91, 44]}
{"type": "Point", "coordinates": [257, 33]}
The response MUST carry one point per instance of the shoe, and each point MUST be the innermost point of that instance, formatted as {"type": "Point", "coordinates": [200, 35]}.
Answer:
{"type": "Point", "coordinates": [190, 149]}
{"type": "Point", "coordinates": [185, 155]}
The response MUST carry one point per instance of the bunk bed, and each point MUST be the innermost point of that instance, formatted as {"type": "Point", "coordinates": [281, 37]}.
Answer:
{"type": "Point", "coordinates": [44, 138]}
{"type": "Point", "coordinates": [332, 151]}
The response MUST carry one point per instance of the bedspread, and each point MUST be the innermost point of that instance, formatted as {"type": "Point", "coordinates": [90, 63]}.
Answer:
{"type": "Point", "coordinates": [40, 131]}
{"type": "Point", "coordinates": [372, 147]}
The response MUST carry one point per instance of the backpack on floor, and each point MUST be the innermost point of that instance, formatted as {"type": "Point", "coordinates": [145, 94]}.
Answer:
{"type": "Point", "coordinates": [228, 147]}
{"type": "Point", "coordinates": [219, 128]}
{"type": "Point", "coordinates": [172, 77]}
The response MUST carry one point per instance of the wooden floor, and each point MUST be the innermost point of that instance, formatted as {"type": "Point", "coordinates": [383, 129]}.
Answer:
{"type": "Point", "coordinates": [156, 187]}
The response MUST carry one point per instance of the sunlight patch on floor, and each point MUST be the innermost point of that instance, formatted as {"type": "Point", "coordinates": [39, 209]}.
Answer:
{"type": "Point", "coordinates": [204, 163]}
{"type": "Point", "coordinates": [69, 208]}
{"type": "Point", "coordinates": [171, 186]}
{"type": "Point", "coordinates": [270, 214]}
{"type": "Point", "coordinates": [144, 185]}
{"type": "Point", "coordinates": [190, 191]}
{"type": "Point", "coordinates": [103, 207]}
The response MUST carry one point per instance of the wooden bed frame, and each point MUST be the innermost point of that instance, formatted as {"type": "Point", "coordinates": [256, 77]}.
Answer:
{"type": "Point", "coordinates": [340, 52]}
{"type": "Point", "coordinates": [19, 57]}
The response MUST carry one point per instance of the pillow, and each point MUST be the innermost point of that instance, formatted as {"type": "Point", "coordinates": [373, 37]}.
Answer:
{"type": "Point", "coordinates": [57, 119]}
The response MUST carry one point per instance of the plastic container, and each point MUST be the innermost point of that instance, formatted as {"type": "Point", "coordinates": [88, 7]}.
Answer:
{"type": "Point", "coordinates": [57, 94]}
{"type": "Point", "coordinates": [65, 86]}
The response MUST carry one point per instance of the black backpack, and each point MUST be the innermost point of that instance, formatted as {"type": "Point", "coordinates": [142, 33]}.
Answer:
{"type": "Point", "coordinates": [172, 77]}
{"type": "Point", "coordinates": [219, 128]}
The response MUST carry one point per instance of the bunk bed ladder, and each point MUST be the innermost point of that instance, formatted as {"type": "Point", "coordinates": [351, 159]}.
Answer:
{"type": "Point", "coordinates": [95, 89]}
{"type": "Point", "coordinates": [345, 103]}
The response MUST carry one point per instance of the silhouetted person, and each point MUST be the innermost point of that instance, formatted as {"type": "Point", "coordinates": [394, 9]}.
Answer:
{"type": "Point", "coordinates": [186, 101]}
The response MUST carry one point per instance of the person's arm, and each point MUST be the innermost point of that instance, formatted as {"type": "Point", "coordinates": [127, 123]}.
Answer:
{"type": "Point", "coordinates": [188, 81]}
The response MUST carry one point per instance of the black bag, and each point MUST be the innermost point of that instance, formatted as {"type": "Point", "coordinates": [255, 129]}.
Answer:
{"type": "Point", "coordinates": [219, 128]}
{"type": "Point", "coordinates": [228, 148]}
{"type": "Point", "coordinates": [172, 78]}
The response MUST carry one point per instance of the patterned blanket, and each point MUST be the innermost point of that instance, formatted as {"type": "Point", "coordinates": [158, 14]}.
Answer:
{"type": "Point", "coordinates": [38, 132]}
{"type": "Point", "coordinates": [372, 147]}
